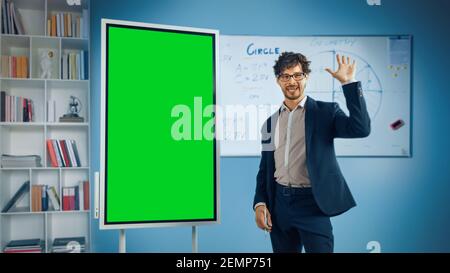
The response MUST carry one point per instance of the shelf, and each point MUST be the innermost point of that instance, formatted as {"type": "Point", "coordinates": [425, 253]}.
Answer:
{"type": "Point", "coordinates": [46, 37]}
{"type": "Point", "coordinates": [43, 80]}
{"type": "Point", "coordinates": [44, 212]}
{"type": "Point", "coordinates": [45, 168]}
{"type": "Point", "coordinates": [40, 124]}
{"type": "Point", "coordinates": [29, 138]}
{"type": "Point", "coordinates": [68, 124]}
{"type": "Point", "coordinates": [25, 124]}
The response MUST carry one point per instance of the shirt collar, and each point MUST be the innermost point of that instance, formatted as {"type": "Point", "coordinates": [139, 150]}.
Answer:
{"type": "Point", "coordinates": [301, 104]}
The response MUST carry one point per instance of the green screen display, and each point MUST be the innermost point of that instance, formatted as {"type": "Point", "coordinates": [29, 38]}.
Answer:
{"type": "Point", "coordinates": [151, 177]}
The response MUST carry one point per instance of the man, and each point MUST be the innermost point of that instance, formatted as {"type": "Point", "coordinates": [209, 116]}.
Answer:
{"type": "Point", "coordinates": [299, 185]}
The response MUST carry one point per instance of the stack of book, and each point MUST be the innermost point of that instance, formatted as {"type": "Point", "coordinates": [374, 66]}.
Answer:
{"type": "Point", "coordinates": [15, 108]}
{"type": "Point", "coordinates": [63, 153]}
{"type": "Point", "coordinates": [25, 246]}
{"type": "Point", "coordinates": [68, 25]}
{"type": "Point", "coordinates": [20, 193]}
{"type": "Point", "coordinates": [76, 198]}
{"type": "Point", "coordinates": [69, 245]}
{"type": "Point", "coordinates": [11, 21]}
{"type": "Point", "coordinates": [20, 161]}
{"type": "Point", "coordinates": [74, 65]}
{"type": "Point", "coordinates": [14, 66]}
{"type": "Point", "coordinates": [44, 198]}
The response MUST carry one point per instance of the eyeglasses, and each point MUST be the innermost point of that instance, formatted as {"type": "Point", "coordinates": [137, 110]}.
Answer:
{"type": "Point", "coordinates": [297, 77]}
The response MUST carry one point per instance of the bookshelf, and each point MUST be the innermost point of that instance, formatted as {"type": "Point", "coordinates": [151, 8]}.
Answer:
{"type": "Point", "coordinates": [29, 138]}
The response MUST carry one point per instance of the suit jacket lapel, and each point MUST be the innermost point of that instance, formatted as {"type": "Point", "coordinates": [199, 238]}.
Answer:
{"type": "Point", "coordinates": [310, 108]}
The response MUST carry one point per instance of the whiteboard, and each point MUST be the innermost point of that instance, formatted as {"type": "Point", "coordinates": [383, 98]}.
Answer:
{"type": "Point", "coordinates": [248, 86]}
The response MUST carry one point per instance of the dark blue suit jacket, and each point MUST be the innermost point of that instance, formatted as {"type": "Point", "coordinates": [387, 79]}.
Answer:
{"type": "Point", "coordinates": [324, 121]}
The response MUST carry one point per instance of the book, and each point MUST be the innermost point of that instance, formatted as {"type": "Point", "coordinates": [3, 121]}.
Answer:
{"type": "Point", "coordinates": [69, 245]}
{"type": "Point", "coordinates": [76, 205]}
{"type": "Point", "coordinates": [49, 27]}
{"type": "Point", "coordinates": [4, 17]}
{"type": "Point", "coordinates": [53, 33]}
{"type": "Point", "coordinates": [2, 104]}
{"type": "Point", "coordinates": [65, 241]}
{"type": "Point", "coordinates": [52, 153]}
{"type": "Point", "coordinates": [36, 198]}
{"type": "Point", "coordinates": [65, 199]}
{"type": "Point", "coordinates": [65, 153]}
{"type": "Point", "coordinates": [69, 198]}
{"type": "Point", "coordinates": [75, 151]}
{"type": "Point", "coordinates": [73, 162]}
{"type": "Point", "coordinates": [17, 196]}
{"type": "Point", "coordinates": [81, 195]}
{"type": "Point", "coordinates": [65, 66]}
{"type": "Point", "coordinates": [44, 198]}
{"type": "Point", "coordinates": [20, 161]}
{"type": "Point", "coordinates": [25, 246]}
{"type": "Point", "coordinates": [86, 192]}
{"type": "Point", "coordinates": [54, 198]}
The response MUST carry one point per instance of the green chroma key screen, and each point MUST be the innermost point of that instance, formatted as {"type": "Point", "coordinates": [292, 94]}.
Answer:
{"type": "Point", "coordinates": [151, 177]}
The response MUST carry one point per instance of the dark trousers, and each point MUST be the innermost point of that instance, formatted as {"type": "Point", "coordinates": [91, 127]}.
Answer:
{"type": "Point", "coordinates": [298, 222]}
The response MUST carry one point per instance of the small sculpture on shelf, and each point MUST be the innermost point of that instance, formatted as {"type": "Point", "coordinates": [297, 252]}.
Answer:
{"type": "Point", "coordinates": [73, 116]}
{"type": "Point", "coordinates": [46, 63]}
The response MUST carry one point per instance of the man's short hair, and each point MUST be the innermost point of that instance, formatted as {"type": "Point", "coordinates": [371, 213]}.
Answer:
{"type": "Point", "coordinates": [289, 60]}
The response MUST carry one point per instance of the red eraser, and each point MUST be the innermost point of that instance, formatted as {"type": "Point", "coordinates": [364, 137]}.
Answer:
{"type": "Point", "coordinates": [397, 124]}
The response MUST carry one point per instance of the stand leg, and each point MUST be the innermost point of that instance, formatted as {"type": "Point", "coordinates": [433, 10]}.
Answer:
{"type": "Point", "coordinates": [122, 241]}
{"type": "Point", "coordinates": [194, 239]}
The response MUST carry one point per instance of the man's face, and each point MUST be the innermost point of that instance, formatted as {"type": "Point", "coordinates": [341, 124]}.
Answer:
{"type": "Point", "coordinates": [293, 87]}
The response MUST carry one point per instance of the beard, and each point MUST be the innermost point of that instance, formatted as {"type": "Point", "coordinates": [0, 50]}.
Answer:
{"type": "Point", "coordinates": [294, 95]}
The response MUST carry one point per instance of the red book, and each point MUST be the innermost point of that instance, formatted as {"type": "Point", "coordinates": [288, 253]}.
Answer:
{"type": "Point", "coordinates": [86, 194]}
{"type": "Point", "coordinates": [65, 153]}
{"type": "Point", "coordinates": [66, 199]}
{"type": "Point", "coordinates": [72, 199]}
{"type": "Point", "coordinates": [52, 154]}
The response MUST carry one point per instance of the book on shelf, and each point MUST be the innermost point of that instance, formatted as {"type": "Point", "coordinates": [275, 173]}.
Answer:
{"type": "Point", "coordinates": [53, 198]}
{"type": "Point", "coordinates": [25, 246]}
{"type": "Point", "coordinates": [20, 161]}
{"type": "Point", "coordinates": [15, 108]}
{"type": "Point", "coordinates": [14, 66]}
{"type": "Point", "coordinates": [69, 244]}
{"type": "Point", "coordinates": [76, 197]}
{"type": "Point", "coordinates": [74, 64]}
{"type": "Point", "coordinates": [63, 153]}
{"type": "Point", "coordinates": [21, 192]}
{"type": "Point", "coordinates": [11, 19]}
{"type": "Point", "coordinates": [44, 198]}
{"type": "Point", "coordinates": [65, 24]}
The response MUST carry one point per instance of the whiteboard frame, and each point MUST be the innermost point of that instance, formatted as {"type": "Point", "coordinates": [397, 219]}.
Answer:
{"type": "Point", "coordinates": [102, 223]}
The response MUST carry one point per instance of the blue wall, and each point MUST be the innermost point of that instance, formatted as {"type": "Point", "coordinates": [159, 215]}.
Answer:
{"type": "Point", "coordinates": [402, 202]}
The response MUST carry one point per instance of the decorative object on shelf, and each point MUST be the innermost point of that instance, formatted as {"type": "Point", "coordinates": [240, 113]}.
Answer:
{"type": "Point", "coordinates": [46, 60]}
{"type": "Point", "coordinates": [73, 116]}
